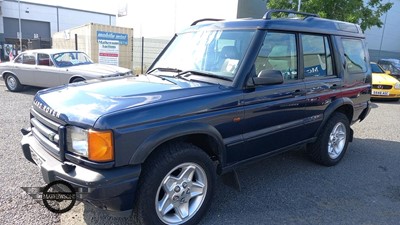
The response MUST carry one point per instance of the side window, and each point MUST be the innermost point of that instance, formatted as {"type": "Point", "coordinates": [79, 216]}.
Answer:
{"type": "Point", "coordinates": [18, 59]}
{"type": "Point", "coordinates": [278, 53]}
{"type": "Point", "coordinates": [316, 55]}
{"type": "Point", "coordinates": [44, 59]}
{"type": "Point", "coordinates": [355, 55]}
{"type": "Point", "coordinates": [29, 59]}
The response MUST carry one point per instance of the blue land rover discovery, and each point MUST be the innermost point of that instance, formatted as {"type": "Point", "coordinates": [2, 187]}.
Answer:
{"type": "Point", "coordinates": [222, 93]}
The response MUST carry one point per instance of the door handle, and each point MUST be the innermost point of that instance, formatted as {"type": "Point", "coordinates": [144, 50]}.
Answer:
{"type": "Point", "coordinates": [299, 92]}
{"type": "Point", "coordinates": [335, 86]}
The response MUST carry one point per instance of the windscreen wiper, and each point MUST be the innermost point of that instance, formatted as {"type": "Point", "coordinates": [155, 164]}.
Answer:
{"type": "Point", "coordinates": [166, 69]}
{"type": "Point", "coordinates": [188, 72]}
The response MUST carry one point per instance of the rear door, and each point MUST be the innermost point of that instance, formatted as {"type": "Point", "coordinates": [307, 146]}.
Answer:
{"type": "Point", "coordinates": [323, 84]}
{"type": "Point", "coordinates": [274, 113]}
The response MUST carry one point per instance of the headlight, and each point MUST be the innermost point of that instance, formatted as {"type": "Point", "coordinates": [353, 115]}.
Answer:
{"type": "Point", "coordinates": [95, 145]}
{"type": "Point", "coordinates": [77, 141]}
{"type": "Point", "coordinates": [397, 85]}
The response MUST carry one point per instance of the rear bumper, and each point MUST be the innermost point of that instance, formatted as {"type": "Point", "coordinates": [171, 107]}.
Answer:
{"type": "Point", "coordinates": [109, 189]}
{"type": "Point", "coordinates": [365, 112]}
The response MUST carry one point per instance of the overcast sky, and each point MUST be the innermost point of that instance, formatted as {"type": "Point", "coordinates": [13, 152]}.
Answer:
{"type": "Point", "coordinates": [154, 18]}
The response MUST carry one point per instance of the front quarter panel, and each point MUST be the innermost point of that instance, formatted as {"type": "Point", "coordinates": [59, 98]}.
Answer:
{"type": "Point", "coordinates": [140, 130]}
{"type": "Point", "coordinates": [155, 140]}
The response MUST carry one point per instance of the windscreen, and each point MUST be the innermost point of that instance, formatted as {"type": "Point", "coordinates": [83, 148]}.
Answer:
{"type": "Point", "coordinates": [376, 69]}
{"type": "Point", "coordinates": [65, 59]}
{"type": "Point", "coordinates": [217, 52]}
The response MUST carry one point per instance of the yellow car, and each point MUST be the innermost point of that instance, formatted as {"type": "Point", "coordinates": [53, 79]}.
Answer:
{"type": "Point", "coordinates": [384, 86]}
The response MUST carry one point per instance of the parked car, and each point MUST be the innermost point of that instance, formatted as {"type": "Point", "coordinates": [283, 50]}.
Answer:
{"type": "Point", "coordinates": [384, 85]}
{"type": "Point", "coordinates": [220, 95]}
{"type": "Point", "coordinates": [53, 67]}
{"type": "Point", "coordinates": [392, 65]}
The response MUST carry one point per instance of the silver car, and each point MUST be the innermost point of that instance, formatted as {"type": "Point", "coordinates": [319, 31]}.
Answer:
{"type": "Point", "coordinates": [53, 67]}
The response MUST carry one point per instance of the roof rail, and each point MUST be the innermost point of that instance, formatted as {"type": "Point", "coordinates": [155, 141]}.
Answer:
{"type": "Point", "coordinates": [205, 19]}
{"type": "Point", "coordinates": [268, 14]}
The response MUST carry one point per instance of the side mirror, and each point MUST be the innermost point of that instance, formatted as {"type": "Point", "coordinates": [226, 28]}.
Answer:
{"type": "Point", "coordinates": [268, 77]}
{"type": "Point", "coordinates": [387, 72]}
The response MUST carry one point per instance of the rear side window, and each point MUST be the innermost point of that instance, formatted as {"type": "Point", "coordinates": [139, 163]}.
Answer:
{"type": "Point", "coordinates": [278, 53]}
{"type": "Point", "coordinates": [316, 55]}
{"type": "Point", "coordinates": [44, 59]}
{"type": "Point", "coordinates": [354, 53]}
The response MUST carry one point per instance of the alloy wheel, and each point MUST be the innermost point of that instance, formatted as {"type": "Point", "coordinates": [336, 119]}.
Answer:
{"type": "Point", "coordinates": [181, 193]}
{"type": "Point", "coordinates": [337, 140]}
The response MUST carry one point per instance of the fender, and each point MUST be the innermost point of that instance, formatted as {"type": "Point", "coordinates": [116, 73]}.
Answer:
{"type": "Point", "coordinates": [331, 109]}
{"type": "Point", "coordinates": [73, 77]}
{"type": "Point", "coordinates": [155, 140]}
{"type": "Point", "coordinates": [5, 72]}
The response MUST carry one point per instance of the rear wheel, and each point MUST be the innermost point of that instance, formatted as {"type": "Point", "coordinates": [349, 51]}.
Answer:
{"type": "Point", "coordinates": [13, 83]}
{"type": "Point", "coordinates": [332, 143]}
{"type": "Point", "coordinates": [175, 187]}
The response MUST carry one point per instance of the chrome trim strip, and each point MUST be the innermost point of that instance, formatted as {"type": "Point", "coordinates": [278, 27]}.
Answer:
{"type": "Point", "coordinates": [52, 125]}
{"type": "Point", "coordinates": [50, 146]}
{"type": "Point", "coordinates": [46, 132]}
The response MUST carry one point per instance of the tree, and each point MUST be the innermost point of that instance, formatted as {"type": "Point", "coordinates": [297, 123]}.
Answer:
{"type": "Point", "coordinates": [366, 13]}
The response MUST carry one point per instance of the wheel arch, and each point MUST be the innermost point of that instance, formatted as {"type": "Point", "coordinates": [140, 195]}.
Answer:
{"type": "Point", "coordinates": [72, 78]}
{"type": "Point", "coordinates": [343, 105]}
{"type": "Point", "coordinates": [5, 73]}
{"type": "Point", "coordinates": [202, 135]}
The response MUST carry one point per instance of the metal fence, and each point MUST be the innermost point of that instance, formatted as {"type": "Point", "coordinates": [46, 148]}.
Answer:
{"type": "Point", "coordinates": [145, 51]}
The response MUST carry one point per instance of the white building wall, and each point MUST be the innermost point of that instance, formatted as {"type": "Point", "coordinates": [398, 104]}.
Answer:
{"type": "Point", "coordinates": [67, 18]}
{"type": "Point", "coordinates": [384, 42]}
{"type": "Point", "coordinates": [30, 12]}
{"type": "Point", "coordinates": [251, 8]}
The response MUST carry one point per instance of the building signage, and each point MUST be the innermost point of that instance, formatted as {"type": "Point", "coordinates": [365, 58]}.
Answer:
{"type": "Point", "coordinates": [109, 52]}
{"type": "Point", "coordinates": [111, 36]}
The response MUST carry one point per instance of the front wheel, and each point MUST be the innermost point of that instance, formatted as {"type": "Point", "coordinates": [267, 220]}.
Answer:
{"type": "Point", "coordinates": [77, 79]}
{"type": "Point", "coordinates": [332, 142]}
{"type": "Point", "coordinates": [13, 83]}
{"type": "Point", "coordinates": [176, 186]}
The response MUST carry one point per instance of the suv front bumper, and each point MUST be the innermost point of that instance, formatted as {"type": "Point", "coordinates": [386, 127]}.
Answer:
{"type": "Point", "coordinates": [109, 189]}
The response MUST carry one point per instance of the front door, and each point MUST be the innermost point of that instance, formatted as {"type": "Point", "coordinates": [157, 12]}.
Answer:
{"type": "Point", "coordinates": [274, 113]}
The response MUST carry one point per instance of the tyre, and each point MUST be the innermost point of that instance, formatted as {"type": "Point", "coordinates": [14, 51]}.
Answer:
{"type": "Point", "coordinates": [332, 142]}
{"type": "Point", "coordinates": [12, 83]}
{"type": "Point", "coordinates": [78, 79]}
{"type": "Point", "coordinates": [175, 187]}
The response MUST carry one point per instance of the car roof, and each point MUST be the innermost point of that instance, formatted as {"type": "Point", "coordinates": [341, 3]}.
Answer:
{"type": "Point", "coordinates": [310, 23]}
{"type": "Point", "coordinates": [49, 51]}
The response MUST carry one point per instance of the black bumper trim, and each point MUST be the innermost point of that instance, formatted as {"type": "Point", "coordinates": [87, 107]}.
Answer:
{"type": "Point", "coordinates": [109, 189]}
{"type": "Point", "coordinates": [366, 111]}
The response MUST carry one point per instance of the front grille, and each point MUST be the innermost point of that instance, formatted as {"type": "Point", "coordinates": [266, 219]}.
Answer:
{"type": "Point", "coordinates": [383, 87]}
{"type": "Point", "coordinates": [48, 133]}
